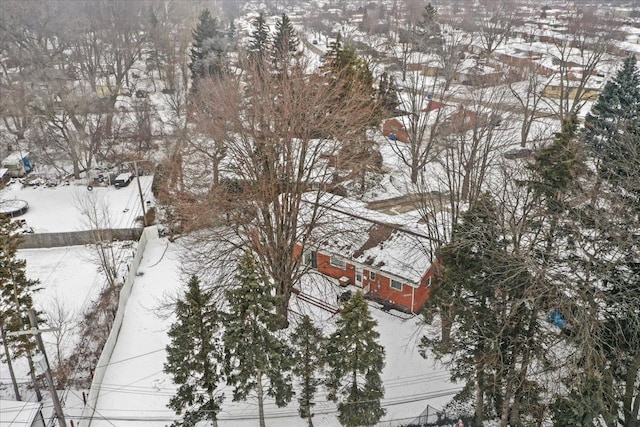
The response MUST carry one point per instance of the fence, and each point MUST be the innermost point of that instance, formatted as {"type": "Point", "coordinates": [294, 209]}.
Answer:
{"type": "Point", "coordinates": [149, 233]}
{"type": "Point", "coordinates": [74, 238]}
{"type": "Point", "coordinates": [432, 417]}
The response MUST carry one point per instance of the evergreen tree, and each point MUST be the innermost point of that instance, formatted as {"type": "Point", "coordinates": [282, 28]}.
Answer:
{"type": "Point", "coordinates": [259, 43]}
{"type": "Point", "coordinates": [612, 128]}
{"type": "Point", "coordinates": [388, 95]}
{"type": "Point", "coordinates": [193, 355]}
{"type": "Point", "coordinates": [557, 166]}
{"type": "Point", "coordinates": [285, 44]}
{"type": "Point", "coordinates": [16, 291]}
{"type": "Point", "coordinates": [355, 360]}
{"type": "Point", "coordinates": [353, 82]}
{"type": "Point", "coordinates": [610, 222]}
{"type": "Point", "coordinates": [256, 358]}
{"type": "Point", "coordinates": [351, 74]}
{"type": "Point", "coordinates": [482, 294]}
{"type": "Point", "coordinates": [345, 66]}
{"type": "Point", "coordinates": [428, 32]}
{"type": "Point", "coordinates": [209, 48]}
{"type": "Point", "coordinates": [307, 341]}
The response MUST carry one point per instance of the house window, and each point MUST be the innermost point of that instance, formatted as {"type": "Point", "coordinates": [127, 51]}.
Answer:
{"type": "Point", "coordinates": [311, 258]}
{"type": "Point", "coordinates": [396, 284]}
{"type": "Point", "coordinates": [428, 282]}
{"type": "Point", "coordinates": [337, 262]}
{"type": "Point", "coordinates": [372, 275]}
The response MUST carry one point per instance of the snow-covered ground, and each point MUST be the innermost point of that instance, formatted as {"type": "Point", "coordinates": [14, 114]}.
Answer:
{"type": "Point", "coordinates": [70, 278]}
{"type": "Point", "coordinates": [136, 391]}
{"type": "Point", "coordinates": [57, 209]}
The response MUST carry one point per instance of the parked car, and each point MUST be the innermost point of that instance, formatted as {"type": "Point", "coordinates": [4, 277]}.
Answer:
{"type": "Point", "coordinates": [123, 179]}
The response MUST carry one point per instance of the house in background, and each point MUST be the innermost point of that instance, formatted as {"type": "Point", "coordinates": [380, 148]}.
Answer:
{"type": "Point", "coordinates": [395, 128]}
{"type": "Point", "coordinates": [17, 164]}
{"type": "Point", "coordinates": [390, 262]}
{"type": "Point", "coordinates": [447, 120]}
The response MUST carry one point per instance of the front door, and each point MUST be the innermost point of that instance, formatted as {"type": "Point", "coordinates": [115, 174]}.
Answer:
{"type": "Point", "coordinates": [359, 277]}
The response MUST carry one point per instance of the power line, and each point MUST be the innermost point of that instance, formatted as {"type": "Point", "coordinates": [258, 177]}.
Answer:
{"type": "Point", "coordinates": [286, 413]}
{"type": "Point", "coordinates": [130, 358]}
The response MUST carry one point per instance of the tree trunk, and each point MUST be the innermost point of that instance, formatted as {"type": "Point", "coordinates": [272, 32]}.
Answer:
{"type": "Point", "coordinates": [216, 172]}
{"type": "Point", "coordinates": [10, 364]}
{"type": "Point", "coordinates": [260, 392]}
{"type": "Point", "coordinates": [414, 173]}
{"type": "Point", "coordinates": [629, 408]}
{"type": "Point", "coordinates": [283, 291]}
{"type": "Point", "coordinates": [479, 406]}
{"type": "Point", "coordinates": [466, 184]}
{"type": "Point", "coordinates": [214, 417]}
{"type": "Point", "coordinates": [446, 322]}
{"type": "Point", "coordinates": [508, 393]}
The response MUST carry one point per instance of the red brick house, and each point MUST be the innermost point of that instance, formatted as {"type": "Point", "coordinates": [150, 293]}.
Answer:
{"type": "Point", "coordinates": [395, 128]}
{"type": "Point", "coordinates": [390, 262]}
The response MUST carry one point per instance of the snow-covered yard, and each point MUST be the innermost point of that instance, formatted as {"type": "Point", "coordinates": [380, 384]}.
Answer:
{"type": "Point", "coordinates": [57, 209]}
{"type": "Point", "coordinates": [135, 390]}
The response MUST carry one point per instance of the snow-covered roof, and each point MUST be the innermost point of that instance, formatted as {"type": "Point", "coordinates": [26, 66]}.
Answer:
{"type": "Point", "coordinates": [389, 244]}
{"type": "Point", "coordinates": [18, 414]}
{"type": "Point", "coordinates": [15, 157]}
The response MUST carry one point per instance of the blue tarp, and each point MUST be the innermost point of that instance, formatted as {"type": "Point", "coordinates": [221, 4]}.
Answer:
{"type": "Point", "coordinates": [557, 319]}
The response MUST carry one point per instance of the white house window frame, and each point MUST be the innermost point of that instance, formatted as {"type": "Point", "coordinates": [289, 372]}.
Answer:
{"type": "Point", "coordinates": [372, 275]}
{"type": "Point", "coordinates": [396, 284]}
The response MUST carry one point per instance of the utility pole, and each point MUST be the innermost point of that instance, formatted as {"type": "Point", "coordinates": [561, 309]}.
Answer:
{"type": "Point", "coordinates": [144, 212]}
{"type": "Point", "coordinates": [52, 388]}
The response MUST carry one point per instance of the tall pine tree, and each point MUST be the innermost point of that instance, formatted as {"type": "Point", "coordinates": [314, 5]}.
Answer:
{"type": "Point", "coordinates": [557, 167]}
{"type": "Point", "coordinates": [193, 355]}
{"type": "Point", "coordinates": [388, 95]}
{"type": "Point", "coordinates": [353, 82]}
{"type": "Point", "coordinates": [612, 129]}
{"type": "Point", "coordinates": [612, 134]}
{"type": "Point", "coordinates": [256, 357]}
{"type": "Point", "coordinates": [485, 295]}
{"type": "Point", "coordinates": [428, 32]}
{"type": "Point", "coordinates": [208, 53]}
{"type": "Point", "coordinates": [259, 42]}
{"type": "Point", "coordinates": [307, 342]}
{"type": "Point", "coordinates": [16, 291]}
{"type": "Point", "coordinates": [355, 360]}
{"type": "Point", "coordinates": [285, 44]}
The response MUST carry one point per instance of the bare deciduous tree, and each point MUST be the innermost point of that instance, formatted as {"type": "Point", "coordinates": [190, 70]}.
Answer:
{"type": "Point", "coordinates": [528, 93]}
{"type": "Point", "coordinates": [58, 315]}
{"type": "Point", "coordinates": [577, 57]}
{"type": "Point", "coordinates": [279, 132]}
{"type": "Point", "coordinates": [96, 216]}
{"type": "Point", "coordinates": [471, 141]}
{"type": "Point", "coordinates": [421, 100]}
